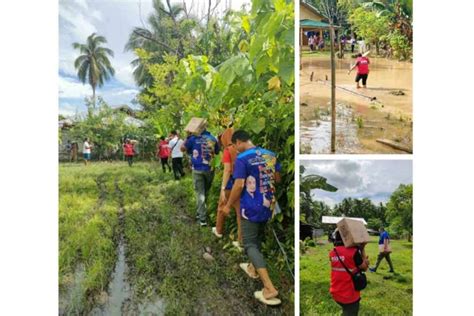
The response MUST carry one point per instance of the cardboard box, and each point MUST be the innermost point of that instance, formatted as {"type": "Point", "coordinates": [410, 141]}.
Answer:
{"type": "Point", "coordinates": [353, 232]}
{"type": "Point", "coordinates": [196, 126]}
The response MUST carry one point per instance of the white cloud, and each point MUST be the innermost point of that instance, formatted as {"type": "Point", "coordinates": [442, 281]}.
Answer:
{"type": "Point", "coordinates": [68, 109]}
{"type": "Point", "coordinates": [69, 88]}
{"type": "Point", "coordinates": [124, 74]}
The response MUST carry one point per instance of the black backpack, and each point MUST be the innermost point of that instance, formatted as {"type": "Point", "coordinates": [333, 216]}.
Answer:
{"type": "Point", "coordinates": [359, 278]}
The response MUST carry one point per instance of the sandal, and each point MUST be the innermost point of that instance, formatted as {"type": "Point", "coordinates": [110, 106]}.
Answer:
{"type": "Point", "coordinates": [245, 266]}
{"type": "Point", "coordinates": [267, 301]}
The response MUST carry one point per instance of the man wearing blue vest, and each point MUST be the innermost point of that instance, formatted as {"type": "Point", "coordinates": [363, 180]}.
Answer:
{"type": "Point", "coordinates": [202, 149]}
{"type": "Point", "coordinates": [255, 172]}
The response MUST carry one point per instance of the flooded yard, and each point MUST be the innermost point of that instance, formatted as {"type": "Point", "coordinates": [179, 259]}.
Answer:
{"type": "Point", "coordinates": [382, 111]}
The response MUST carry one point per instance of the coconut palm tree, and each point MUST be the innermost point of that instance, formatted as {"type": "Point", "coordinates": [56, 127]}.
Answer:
{"type": "Point", "coordinates": [93, 65]}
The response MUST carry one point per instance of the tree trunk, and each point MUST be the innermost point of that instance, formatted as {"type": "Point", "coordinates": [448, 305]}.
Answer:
{"type": "Point", "coordinates": [333, 92]}
{"type": "Point", "coordinates": [93, 96]}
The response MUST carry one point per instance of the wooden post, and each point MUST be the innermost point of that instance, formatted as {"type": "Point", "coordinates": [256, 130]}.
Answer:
{"type": "Point", "coordinates": [301, 47]}
{"type": "Point", "coordinates": [333, 91]}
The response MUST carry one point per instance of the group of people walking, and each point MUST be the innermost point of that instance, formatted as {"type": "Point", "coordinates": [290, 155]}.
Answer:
{"type": "Point", "coordinates": [247, 186]}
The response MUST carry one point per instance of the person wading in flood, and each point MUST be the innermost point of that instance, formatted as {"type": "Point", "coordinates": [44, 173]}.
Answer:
{"type": "Point", "coordinates": [228, 160]}
{"type": "Point", "coordinates": [362, 64]}
{"type": "Point", "coordinates": [255, 172]}
{"type": "Point", "coordinates": [342, 286]}
{"type": "Point", "coordinates": [202, 149]}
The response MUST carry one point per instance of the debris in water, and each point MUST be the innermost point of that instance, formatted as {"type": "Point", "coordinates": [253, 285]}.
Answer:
{"type": "Point", "coordinates": [395, 145]}
{"type": "Point", "coordinates": [304, 104]}
{"type": "Point", "coordinates": [397, 92]}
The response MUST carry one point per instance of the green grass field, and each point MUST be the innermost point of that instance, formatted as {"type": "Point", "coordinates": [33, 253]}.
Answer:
{"type": "Point", "coordinates": [164, 245]}
{"type": "Point", "coordinates": [386, 293]}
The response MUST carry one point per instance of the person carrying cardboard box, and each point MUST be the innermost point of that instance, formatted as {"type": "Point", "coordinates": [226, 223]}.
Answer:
{"type": "Point", "coordinates": [384, 251]}
{"type": "Point", "coordinates": [201, 146]}
{"type": "Point", "coordinates": [345, 262]}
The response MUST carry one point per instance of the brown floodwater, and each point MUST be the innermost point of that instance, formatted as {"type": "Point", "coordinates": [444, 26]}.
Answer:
{"type": "Point", "coordinates": [382, 110]}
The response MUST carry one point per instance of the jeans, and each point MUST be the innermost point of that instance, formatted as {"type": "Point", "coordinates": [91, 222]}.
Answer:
{"type": "Point", "coordinates": [385, 255]}
{"type": "Point", "coordinates": [351, 309]}
{"type": "Point", "coordinates": [202, 183]}
{"type": "Point", "coordinates": [177, 164]}
{"type": "Point", "coordinates": [252, 234]}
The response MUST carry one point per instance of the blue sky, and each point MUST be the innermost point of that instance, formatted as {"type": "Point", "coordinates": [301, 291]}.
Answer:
{"type": "Point", "coordinates": [113, 19]}
{"type": "Point", "coordinates": [373, 179]}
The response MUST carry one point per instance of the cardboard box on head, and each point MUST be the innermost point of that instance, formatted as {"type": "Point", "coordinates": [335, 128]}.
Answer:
{"type": "Point", "coordinates": [196, 126]}
{"type": "Point", "coordinates": [353, 232]}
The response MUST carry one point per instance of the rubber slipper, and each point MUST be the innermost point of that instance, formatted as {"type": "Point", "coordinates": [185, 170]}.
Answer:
{"type": "Point", "coordinates": [245, 266]}
{"type": "Point", "coordinates": [272, 301]}
{"type": "Point", "coordinates": [236, 244]}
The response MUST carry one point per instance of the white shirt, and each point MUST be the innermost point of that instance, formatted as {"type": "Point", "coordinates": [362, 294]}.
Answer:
{"type": "Point", "coordinates": [86, 148]}
{"type": "Point", "coordinates": [176, 143]}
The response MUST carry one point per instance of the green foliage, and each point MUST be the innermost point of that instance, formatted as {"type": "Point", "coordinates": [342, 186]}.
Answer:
{"type": "Point", "coordinates": [386, 293]}
{"type": "Point", "coordinates": [370, 25]}
{"type": "Point", "coordinates": [106, 129]}
{"type": "Point", "coordinates": [400, 211]}
{"type": "Point", "coordinates": [401, 48]}
{"type": "Point", "coordinates": [252, 89]}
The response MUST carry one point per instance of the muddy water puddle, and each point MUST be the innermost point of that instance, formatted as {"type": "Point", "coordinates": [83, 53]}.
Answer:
{"type": "Point", "coordinates": [315, 135]}
{"type": "Point", "coordinates": [389, 94]}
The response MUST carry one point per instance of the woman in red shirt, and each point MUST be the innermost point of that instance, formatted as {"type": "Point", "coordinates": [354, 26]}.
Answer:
{"type": "Point", "coordinates": [128, 151]}
{"type": "Point", "coordinates": [163, 153]}
{"type": "Point", "coordinates": [342, 287]}
{"type": "Point", "coordinates": [228, 160]}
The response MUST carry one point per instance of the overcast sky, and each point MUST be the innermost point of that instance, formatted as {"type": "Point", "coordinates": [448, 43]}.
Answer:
{"type": "Point", "coordinates": [373, 179]}
{"type": "Point", "coordinates": [113, 19]}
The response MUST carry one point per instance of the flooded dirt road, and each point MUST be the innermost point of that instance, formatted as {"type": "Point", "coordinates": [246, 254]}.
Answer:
{"type": "Point", "coordinates": [382, 110]}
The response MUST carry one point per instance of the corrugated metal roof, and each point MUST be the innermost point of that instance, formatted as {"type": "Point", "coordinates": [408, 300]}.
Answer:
{"type": "Point", "coordinates": [315, 24]}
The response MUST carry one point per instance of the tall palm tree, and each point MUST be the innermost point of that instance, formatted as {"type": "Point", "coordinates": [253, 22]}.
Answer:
{"type": "Point", "coordinates": [93, 65]}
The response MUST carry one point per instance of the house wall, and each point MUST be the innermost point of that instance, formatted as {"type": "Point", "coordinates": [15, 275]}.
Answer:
{"type": "Point", "coordinates": [306, 13]}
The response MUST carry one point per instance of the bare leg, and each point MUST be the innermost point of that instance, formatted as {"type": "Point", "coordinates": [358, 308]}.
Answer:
{"type": "Point", "coordinates": [269, 291]}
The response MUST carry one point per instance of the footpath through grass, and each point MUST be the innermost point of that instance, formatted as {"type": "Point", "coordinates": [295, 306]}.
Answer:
{"type": "Point", "coordinates": [164, 246]}
{"type": "Point", "coordinates": [386, 293]}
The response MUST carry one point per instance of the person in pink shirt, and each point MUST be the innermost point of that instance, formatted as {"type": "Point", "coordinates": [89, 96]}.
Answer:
{"type": "Point", "coordinates": [362, 64]}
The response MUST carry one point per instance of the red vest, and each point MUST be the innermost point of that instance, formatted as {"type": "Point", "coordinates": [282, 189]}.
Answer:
{"type": "Point", "coordinates": [363, 65]}
{"type": "Point", "coordinates": [342, 287]}
{"type": "Point", "coordinates": [128, 149]}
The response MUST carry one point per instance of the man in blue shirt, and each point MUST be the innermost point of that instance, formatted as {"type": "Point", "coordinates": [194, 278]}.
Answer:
{"type": "Point", "coordinates": [255, 172]}
{"type": "Point", "coordinates": [202, 149]}
{"type": "Point", "coordinates": [384, 250]}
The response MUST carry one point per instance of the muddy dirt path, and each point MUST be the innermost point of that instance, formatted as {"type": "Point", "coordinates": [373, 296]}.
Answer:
{"type": "Point", "coordinates": [389, 116]}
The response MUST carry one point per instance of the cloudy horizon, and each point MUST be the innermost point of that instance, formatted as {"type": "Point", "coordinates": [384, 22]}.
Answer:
{"type": "Point", "coordinates": [373, 179]}
{"type": "Point", "coordinates": [113, 19]}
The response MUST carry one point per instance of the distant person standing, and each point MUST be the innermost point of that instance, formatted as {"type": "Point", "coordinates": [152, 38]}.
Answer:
{"type": "Point", "coordinates": [164, 153]}
{"type": "Point", "coordinates": [362, 64]}
{"type": "Point", "coordinates": [384, 250]}
{"type": "Point", "coordinates": [311, 43]}
{"type": "Point", "coordinates": [86, 151]}
{"type": "Point", "coordinates": [256, 171]}
{"type": "Point", "coordinates": [362, 46]}
{"type": "Point", "coordinates": [175, 144]}
{"type": "Point", "coordinates": [202, 149]}
{"type": "Point", "coordinates": [129, 151]}
{"type": "Point", "coordinates": [353, 43]}
{"type": "Point", "coordinates": [342, 286]}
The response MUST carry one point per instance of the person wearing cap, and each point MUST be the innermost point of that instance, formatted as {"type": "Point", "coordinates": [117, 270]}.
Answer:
{"type": "Point", "coordinates": [228, 160]}
{"type": "Point", "coordinates": [256, 171]}
{"type": "Point", "coordinates": [342, 287]}
{"type": "Point", "coordinates": [384, 251]}
{"type": "Point", "coordinates": [202, 149]}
